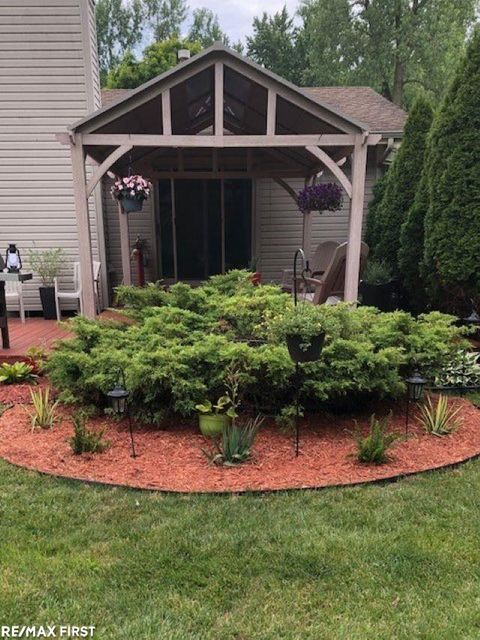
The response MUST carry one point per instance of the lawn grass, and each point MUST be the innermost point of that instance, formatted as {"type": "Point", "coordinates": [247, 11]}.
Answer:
{"type": "Point", "coordinates": [388, 561]}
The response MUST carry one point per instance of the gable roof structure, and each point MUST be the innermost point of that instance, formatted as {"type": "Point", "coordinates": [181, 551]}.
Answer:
{"type": "Point", "coordinates": [219, 52]}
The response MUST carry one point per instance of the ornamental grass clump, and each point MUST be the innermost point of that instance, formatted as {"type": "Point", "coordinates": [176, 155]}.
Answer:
{"type": "Point", "coordinates": [325, 196]}
{"type": "Point", "coordinates": [439, 419]}
{"type": "Point", "coordinates": [373, 448]}
{"type": "Point", "coordinates": [236, 443]}
{"type": "Point", "coordinates": [43, 415]}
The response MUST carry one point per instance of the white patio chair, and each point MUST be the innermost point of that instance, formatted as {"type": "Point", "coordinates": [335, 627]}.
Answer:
{"type": "Point", "coordinates": [318, 264]}
{"type": "Point", "coordinates": [76, 294]}
{"type": "Point", "coordinates": [14, 293]}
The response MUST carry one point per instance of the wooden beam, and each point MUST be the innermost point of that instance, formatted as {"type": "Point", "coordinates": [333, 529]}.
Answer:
{"type": "Point", "coordinates": [166, 113]}
{"type": "Point", "coordinates": [333, 167]}
{"type": "Point", "coordinates": [218, 121]}
{"type": "Point", "coordinates": [219, 141]}
{"type": "Point", "coordinates": [352, 269]}
{"type": "Point", "coordinates": [271, 112]}
{"type": "Point", "coordinates": [125, 245]}
{"type": "Point", "coordinates": [83, 227]}
{"type": "Point", "coordinates": [105, 166]}
{"type": "Point", "coordinates": [213, 175]}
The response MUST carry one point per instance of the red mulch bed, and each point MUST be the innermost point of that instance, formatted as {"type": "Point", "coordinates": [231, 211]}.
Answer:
{"type": "Point", "coordinates": [172, 459]}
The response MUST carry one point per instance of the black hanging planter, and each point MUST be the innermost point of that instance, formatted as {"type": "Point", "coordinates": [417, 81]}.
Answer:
{"type": "Point", "coordinates": [47, 297]}
{"type": "Point", "coordinates": [311, 353]}
{"type": "Point", "coordinates": [131, 205]}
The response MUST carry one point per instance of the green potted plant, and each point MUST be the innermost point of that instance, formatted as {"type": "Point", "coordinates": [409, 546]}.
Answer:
{"type": "Point", "coordinates": [47, 264]}
{"type": "Point", "coordinates": [213, 418]}
{"type": "Point", "coordinates": [378, 288]}
{"type": "Point", "coordinates": [302, 327]}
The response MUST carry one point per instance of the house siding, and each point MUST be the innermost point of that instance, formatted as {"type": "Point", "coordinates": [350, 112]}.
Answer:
{"type": "Point", "coordinates": [279, 225]}
{"type": "Point", "coordinates": [48, 79]}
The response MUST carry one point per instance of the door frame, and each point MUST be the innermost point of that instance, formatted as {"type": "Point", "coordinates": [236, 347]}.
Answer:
{"type": "Point", "coordinates": [157, 242]}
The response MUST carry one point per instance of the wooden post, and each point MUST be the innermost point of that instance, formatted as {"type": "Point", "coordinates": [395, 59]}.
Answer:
{"type": "Point", "coordinates": [125, 245]}
{"type": "Point", "coordinates": [307, 234]}
{"type": "Point", "coordinates": [83, 226]}
{"type": "Point", "coordinates": [218, 113]}
{"type": "Point", "coordinates": [352, 270]}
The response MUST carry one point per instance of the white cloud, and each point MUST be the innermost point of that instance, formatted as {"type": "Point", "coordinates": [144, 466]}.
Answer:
{"type": "Point", "coordinates": [236, 17]}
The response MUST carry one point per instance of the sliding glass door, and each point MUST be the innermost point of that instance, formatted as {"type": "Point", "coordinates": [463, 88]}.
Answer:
{"type": "Point", "coordinates": [204, 227]}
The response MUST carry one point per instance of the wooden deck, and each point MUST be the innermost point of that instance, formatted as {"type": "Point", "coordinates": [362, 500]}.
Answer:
{"type": "Point", "coordinates": [36, 332]}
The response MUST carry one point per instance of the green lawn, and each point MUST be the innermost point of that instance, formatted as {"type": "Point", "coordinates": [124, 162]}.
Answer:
{"type": "Point", "coordinates": [394, 561]}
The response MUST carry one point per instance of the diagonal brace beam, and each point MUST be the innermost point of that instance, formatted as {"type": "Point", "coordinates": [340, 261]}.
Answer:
{"type": "Point", "coordinates": [332, 166]}
{"type": "Point", "coordinates": [105, 166]}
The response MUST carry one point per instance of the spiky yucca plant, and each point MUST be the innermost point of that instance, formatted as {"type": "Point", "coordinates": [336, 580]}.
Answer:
{"type": "Point", "coordinates": [439, 419]}
{"type": "Point", "coordinates": [43, 415]}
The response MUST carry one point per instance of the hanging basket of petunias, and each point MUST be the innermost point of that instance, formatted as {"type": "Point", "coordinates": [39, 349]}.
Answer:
{"type": "Point", "coordinates": [131, 192]}
{"type": "Point", "coordinates": [325, 196]}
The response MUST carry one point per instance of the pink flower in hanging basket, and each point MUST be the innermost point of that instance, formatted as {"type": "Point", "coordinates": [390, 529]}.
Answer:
{"type": "Point", "coordinates": [136, 187]}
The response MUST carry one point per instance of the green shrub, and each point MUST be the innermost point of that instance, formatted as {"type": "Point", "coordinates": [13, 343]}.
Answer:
{"type": "Point", "coordinates": [373, 447]}
{"type": "Point", "coordinates": [462, 371]}
{"type": "Point", "coordinates": [377, 272]}
{"type": "Point", "coordinates": [174, 358]}
{"type": "Point", "coordinates": [16, 373]}
{"type": "Point", "coordinates": [86, 440]}
{"type": "Point", "coordinates": [287, 417]}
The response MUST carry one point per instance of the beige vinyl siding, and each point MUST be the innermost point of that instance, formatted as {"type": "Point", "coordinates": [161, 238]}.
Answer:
{"type": "Point", "coordinates": [47, 54]}
{"type": "Point", "coordinates": [140, 224]}
{"type": "Point", "coordinates": [278, 224]}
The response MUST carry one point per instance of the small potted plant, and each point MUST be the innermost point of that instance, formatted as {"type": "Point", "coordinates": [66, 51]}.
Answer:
{"type": "Point", "coordinates": [47, 264]}
{"type": "Point", "coordinates": [213, 418]}
{"type": "Point", "coordinates": [302, 327]}
{"type": "Point", "coordinates": [131, 191]}
{"type": "Point", "coordinates": [378, 288]}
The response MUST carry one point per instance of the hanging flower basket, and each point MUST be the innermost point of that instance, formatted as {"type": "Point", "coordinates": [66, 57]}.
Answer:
{"type": "Point", "coordinates": [131, 192]}
{"type": "Point", "coordinates": [326, 196]}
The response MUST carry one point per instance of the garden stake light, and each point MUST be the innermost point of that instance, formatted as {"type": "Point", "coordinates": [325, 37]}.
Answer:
{"type": "Point", "coordinates": [415, 386]}
{"type": "Point", "coordinates": [119, 400]}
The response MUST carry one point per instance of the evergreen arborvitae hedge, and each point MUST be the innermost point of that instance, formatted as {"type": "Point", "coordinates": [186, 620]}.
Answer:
{"type": "Point", "coordinates": [404, 176]}
{"type": "Point", "coordinates": [452, 225]}
{"type": "Point", "coordinates": [371, 234]}
{"type": "Point", "coordinates": [410, 254]}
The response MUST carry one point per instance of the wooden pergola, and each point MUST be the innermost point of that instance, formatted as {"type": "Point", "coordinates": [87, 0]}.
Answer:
{"type": "Point", "coordinates": [218, 115]}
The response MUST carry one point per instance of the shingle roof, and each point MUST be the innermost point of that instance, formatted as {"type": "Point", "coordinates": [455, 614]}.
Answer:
{"type": "Point", "coordinates": [360, 103]}
{"type": "Point", "coordinates": [365, 104]}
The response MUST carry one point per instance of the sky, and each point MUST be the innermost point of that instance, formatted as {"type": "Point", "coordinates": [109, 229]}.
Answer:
{"type": "Point", "coordinates": [236, 16]}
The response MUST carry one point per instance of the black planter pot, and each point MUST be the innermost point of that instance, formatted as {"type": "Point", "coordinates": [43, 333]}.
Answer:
{"type": "Point", "coordinates": [383, 296]}
{"type": "Point", "coordinates": [131, 205]}
{"type": "Point", "coordinates": [310, 354]}
{"type": "Point", "coordinates": [47, 296]}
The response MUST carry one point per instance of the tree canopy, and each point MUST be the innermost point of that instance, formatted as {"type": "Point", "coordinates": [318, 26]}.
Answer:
{"type": "Point", "coordinates": [205, 28]}
{"type": "Point", "coordinates": [157, 58]}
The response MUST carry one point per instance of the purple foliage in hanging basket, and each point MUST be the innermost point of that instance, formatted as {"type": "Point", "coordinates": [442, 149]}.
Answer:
{"type": "Point", "coordinates": [326, 196]}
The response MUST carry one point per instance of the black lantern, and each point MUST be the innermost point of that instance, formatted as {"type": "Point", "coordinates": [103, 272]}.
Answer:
{"type": "Point", "coordinates": [415, 387]}
{"type": "Point", "coordinates": [12, 259]}
{"type": "Point", "coordinates": [119, 400]}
